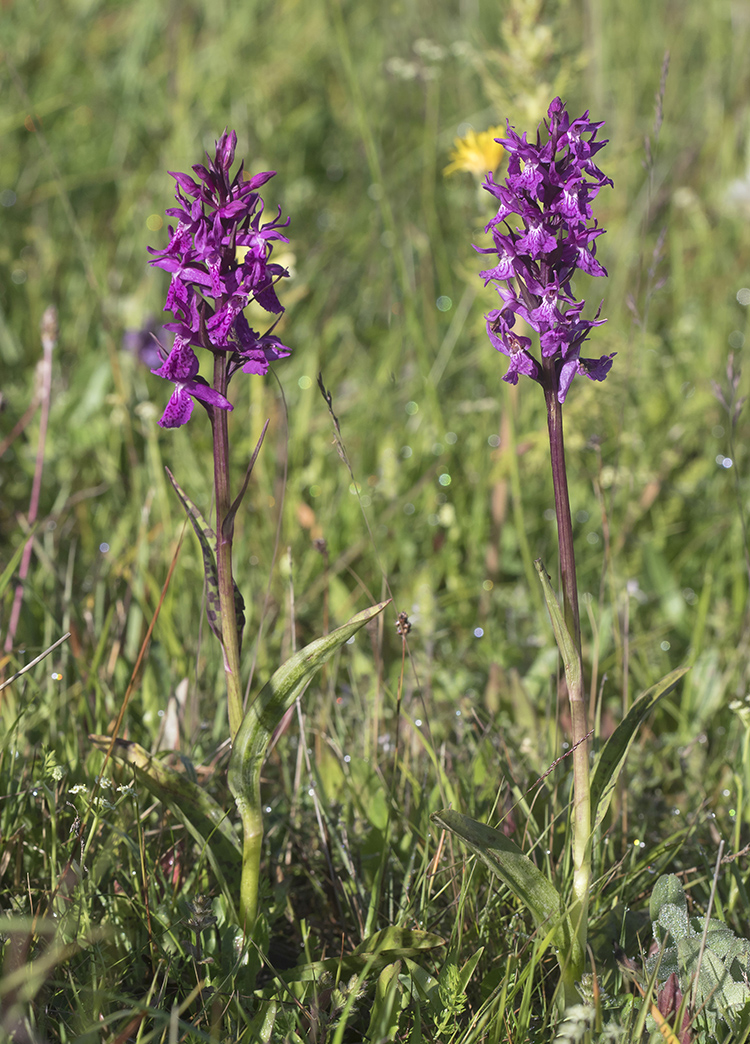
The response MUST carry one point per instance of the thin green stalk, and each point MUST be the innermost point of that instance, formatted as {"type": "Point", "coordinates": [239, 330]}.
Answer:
{"type": "Point", "coordinates": [252, 846]}
{"type": "Point", "coordinates": [574, 677]}
{"type": "Point", "coordinates": [229, 634]}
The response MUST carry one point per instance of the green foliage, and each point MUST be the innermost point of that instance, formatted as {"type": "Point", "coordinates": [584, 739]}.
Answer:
{"type": "Point", "coordinates": [356, 107]}
{"type": "Point", "coordinates": [206, 821]}
{"type": "Point", "coordinates": [535, 891]}
{"type": "Point", "coordinates": [611, 759]}
{"type": "Point", "coordinates": [206, 539]}
{"type": "Point", "coordinates": [250, 746]}
{"type": "Point", "coordinates": [709, 960]}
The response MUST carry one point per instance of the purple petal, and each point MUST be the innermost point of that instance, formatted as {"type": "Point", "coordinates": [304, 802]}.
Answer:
{"type": "Point", "coordinates": [180, 365]}
{"type": "Point", "coordinates": [257, 180]}
{"type": "Point", "coordinates": [200, 390]}
{"type": "Point", "coordinates": [178, 410]}
{"type": "Point", "coordinates": [567, 373]}
{"type": "Point", "coordinates": [596, 369]}
{"type": "Point", "coordinates": [225, 147]}
{"type": "Point", "coordinates": [537, 242]}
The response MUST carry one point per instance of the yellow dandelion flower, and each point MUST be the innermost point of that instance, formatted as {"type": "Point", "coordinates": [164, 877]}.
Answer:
{"type": "Point", "coordinates": [476, 153]}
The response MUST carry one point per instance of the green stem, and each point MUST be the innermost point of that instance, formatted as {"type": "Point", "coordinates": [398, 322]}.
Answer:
{"type": "Point", "coordinates": [252, 844]}
{"type": "Point", "coordinates": [574, 678]}
{"type": "Point", "coordinates": [230, 637]}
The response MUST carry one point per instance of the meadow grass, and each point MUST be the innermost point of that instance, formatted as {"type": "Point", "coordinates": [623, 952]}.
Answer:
{"type": "Point", "coordinates": [106, 934]}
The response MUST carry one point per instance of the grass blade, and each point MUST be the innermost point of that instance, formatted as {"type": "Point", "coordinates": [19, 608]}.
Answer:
{"type": "Point", "coordinates": [615, 750]}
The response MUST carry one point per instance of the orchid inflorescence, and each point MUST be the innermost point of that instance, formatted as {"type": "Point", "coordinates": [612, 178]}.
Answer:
{"type": "Point", "coordinates": [219, 259]}
{"type": "Point", "coordinates": [550, 186]}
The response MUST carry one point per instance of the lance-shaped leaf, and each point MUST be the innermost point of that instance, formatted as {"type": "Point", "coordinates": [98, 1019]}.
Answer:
{"type": "Point", "coordinates": [206, 820]}
{"type": "Point", "coordinates": [612, 756]}
{"type": "Point", "coordinates": [254, 735]}
{"type": "Point", "coordinates": [206, 538]}
{"type": "Point", "coordinates": [399, 942]}
{"type": "Point", "coordinates": [525, 880]}
{"type": "Point", "coordinates": [227, 526]}
{"type": "Point", "coordinates": [563, 637]}
{"type": "Point", "coordinates": [275, 699]}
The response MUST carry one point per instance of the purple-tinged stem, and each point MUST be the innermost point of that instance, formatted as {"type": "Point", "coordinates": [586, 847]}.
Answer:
{"type": "Point", "coordinates": [49, 340]}
{"type": "Point", "coordinates": [230, 637]}
{"type": "Point", "coordinates": [564, 521]}
{"type": "Point", "coordinates": [579, 725]}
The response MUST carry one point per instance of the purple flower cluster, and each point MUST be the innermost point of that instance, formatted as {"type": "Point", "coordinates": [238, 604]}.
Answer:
{"type": "Point", "coordinates": [219, 259]}
{"type": "Point", "coordinates": [550, 186]}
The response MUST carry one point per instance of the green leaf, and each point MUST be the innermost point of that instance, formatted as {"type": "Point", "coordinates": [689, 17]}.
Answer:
{"type": "Point", "coordinates": [252, 740]}
{"type": "Point", "coordinates": [524, 879]}
{"type": "Point", "coordinates": [7, 574]}
{"type": "Point", "coordinates": [612, 756]}
{"type": "Point", "coordinates": [705, 955]}
{"type": "Point", "coordinates": [384, 1017]}
{"type": "Point", "coordinates": [204, 818]}
{"type": "Point", "coordinates": [668, 892]}
{"type": "Point", "coordinates": [468, 969]}
{"type": "Point", "coordinates": [570, 658]}
{"type": "Point", "coordinates": [260, 1028]}
{"type": "Point", "coordinates": [371, 954]}
{"type": "Point", "coordinates": [400, 942]}
{"type": "Point", "coordinates": [206, 538]}
{"type": "Point", "coordinates": [275, 699]}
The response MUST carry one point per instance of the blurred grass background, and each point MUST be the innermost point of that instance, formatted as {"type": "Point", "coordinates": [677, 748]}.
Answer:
{"type": "Point", "coordinates": [356, 106]}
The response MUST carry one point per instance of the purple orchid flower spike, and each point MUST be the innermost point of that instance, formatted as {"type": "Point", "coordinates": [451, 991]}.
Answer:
{"type": "Point", "coordinates": [219, 259]}
{"type": "Point", "coordinates": [550, 186]}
